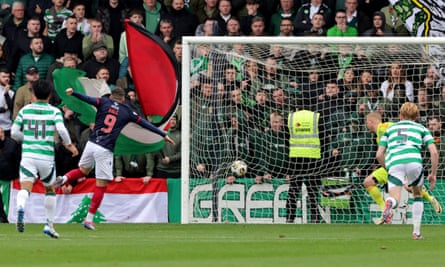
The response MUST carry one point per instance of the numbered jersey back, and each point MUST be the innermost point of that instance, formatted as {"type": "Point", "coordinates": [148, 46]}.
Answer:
{"type": "Point", "coordinates": [38, 121]}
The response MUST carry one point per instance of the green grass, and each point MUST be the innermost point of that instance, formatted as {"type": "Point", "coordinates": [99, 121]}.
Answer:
{"type": "Point", "coordinates": [223, 245]}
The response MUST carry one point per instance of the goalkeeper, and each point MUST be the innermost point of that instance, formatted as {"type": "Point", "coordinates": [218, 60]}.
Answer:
{"type": "Point", "coordinates": [380, 176]}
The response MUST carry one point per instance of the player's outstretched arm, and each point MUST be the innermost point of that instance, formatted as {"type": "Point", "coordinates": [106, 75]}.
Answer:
{"type": "Point", "coordinates": [90, 100]}
{"type": "Point", "coordinates": [168, 139]}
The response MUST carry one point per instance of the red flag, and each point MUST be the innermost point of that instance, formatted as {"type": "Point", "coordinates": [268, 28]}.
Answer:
{"type": "Point", "coordinates": [155, 75]}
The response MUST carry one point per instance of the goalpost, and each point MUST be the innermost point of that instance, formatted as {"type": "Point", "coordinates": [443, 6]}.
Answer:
{"type": "Point", "coordinates": [237, 94]}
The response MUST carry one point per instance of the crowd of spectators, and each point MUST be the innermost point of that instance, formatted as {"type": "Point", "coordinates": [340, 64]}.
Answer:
{"type": "Point", "coordinates": [236, 91]}
{"type": "Point", "coordinates": [38, 37]}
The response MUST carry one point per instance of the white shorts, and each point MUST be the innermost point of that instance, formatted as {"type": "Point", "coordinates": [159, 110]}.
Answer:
{"type": "Point", "coordinates": [410, 173]}
{"type": "Point", "coordinates": [99, 157]}
{"type": "Point", "coordinates": [31, 169]}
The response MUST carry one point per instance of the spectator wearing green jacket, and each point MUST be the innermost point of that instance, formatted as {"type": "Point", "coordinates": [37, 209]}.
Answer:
{"type": "Point", "coordinates": [36, 58]}
{"type": "Point", "coordinates": [166, 163]}
{"type": "Point", "coordinates": [341, 28]}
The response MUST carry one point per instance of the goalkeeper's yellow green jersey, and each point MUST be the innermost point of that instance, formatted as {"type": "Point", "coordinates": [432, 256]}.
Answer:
{"type": "Point", "coordinates": [381, 128]}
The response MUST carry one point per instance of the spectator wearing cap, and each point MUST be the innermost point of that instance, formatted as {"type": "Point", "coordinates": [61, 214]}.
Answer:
{"type": "Point", "coordinates": [21, 46]}
{"type": "Point", "coordinates": [96, 36]}
{"type": "Point", "coordinates": [36, 58]}
{"type": "Point", "coordinates": [23, 94]}
{"type": "Point", "coordinates": [68, 38]}
{"type": "Point", "coordinates": [100, 59]}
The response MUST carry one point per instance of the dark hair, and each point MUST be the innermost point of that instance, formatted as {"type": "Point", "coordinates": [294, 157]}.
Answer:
{"type": "Point", "coordinates": [341, 10]}
{"type": "Point", "coordinates": [74, 4]}
{"type": "Point", "coordinates": [4, 70]}
{"type": "Point", "coordinates": [177, 41]}
{"type": "Point", "coordinates": [36, 37]}
{"type": "Point", "coordinates": [71, 17]}
{"type": "Point", "coordinates": [135, 11]}
{"type": "Point", "coordinates": [42, 89]}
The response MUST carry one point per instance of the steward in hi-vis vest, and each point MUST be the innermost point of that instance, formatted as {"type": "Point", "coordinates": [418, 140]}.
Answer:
{"type": "Point", "coordinates": [305, 154]}
{"type": "Point", "coordinates": [304, 140]}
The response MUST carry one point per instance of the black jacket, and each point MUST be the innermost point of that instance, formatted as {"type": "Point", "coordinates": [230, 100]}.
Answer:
{"type": "Point", "coordinates": [9, 159]}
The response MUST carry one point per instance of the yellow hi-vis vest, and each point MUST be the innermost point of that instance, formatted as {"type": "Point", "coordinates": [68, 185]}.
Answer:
{"type": "Point", "coordinates": [304, 141]}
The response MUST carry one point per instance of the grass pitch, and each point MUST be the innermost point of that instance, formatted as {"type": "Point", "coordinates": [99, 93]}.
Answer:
{"type": "Point", "coordinates": [222, 245]}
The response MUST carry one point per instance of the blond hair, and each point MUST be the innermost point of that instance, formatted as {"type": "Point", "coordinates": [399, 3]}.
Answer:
{"type": "Point", "coordinates": [375, 116]}
{"type": "Point", "coordinates": [409, 111]}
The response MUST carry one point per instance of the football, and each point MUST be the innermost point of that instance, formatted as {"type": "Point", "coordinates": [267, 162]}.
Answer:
{"type": "Point", "coordinates": [238, 168]}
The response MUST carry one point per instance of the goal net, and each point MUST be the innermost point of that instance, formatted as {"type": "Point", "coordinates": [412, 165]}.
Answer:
{"type": "Point", "coordinates": [238, 94]}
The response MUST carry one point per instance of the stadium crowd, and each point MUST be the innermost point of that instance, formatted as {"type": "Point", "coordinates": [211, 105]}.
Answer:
{"type": "Point", "coordinates": [38, 37]}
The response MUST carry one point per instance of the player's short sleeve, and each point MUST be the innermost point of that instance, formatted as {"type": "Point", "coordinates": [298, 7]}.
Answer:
{"type": "Point", "coordinates": [427, 137]}
{"type": "Point", "coordinates": [383, 139]}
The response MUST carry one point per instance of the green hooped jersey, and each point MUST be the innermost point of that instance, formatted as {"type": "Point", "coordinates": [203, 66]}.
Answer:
{"type": "Point", "coordinates": [403, 141]}
{"type": "Point", "coordinates": [39, 122]}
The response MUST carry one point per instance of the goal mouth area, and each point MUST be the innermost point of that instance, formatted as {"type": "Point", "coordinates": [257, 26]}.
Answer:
{"type": "Point", "coordinates": [215, 126]}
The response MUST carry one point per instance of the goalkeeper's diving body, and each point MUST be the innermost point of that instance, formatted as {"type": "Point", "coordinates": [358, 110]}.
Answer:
{"type": "Point", "coordinates": [380, 176]}
{"type": "Point", "coordinates": [111, 117]}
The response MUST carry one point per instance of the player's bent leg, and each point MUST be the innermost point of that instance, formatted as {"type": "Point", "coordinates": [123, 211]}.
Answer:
{"type": "Point", "coordinates": [395, 186]}
{"type": "Point", "coordinates": [370, 183]}
{"type": "Point", "coordinates": [71, 176]}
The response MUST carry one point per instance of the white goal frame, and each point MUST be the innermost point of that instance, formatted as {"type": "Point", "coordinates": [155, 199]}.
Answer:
{"type": "Point", "coordinates": [187, 42]}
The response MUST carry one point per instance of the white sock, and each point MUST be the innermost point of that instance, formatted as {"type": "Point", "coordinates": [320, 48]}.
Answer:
{"type": "Point", "coordinates": [393, 202]}
{"type": "Point", "coordinates": [22, 197]}
{"type": "Point", "coordinates": [90, 217]}
{"type": "Point", "coordinates": [50, 208]}
{"type": "Point", "coordinates": [417, 210]}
